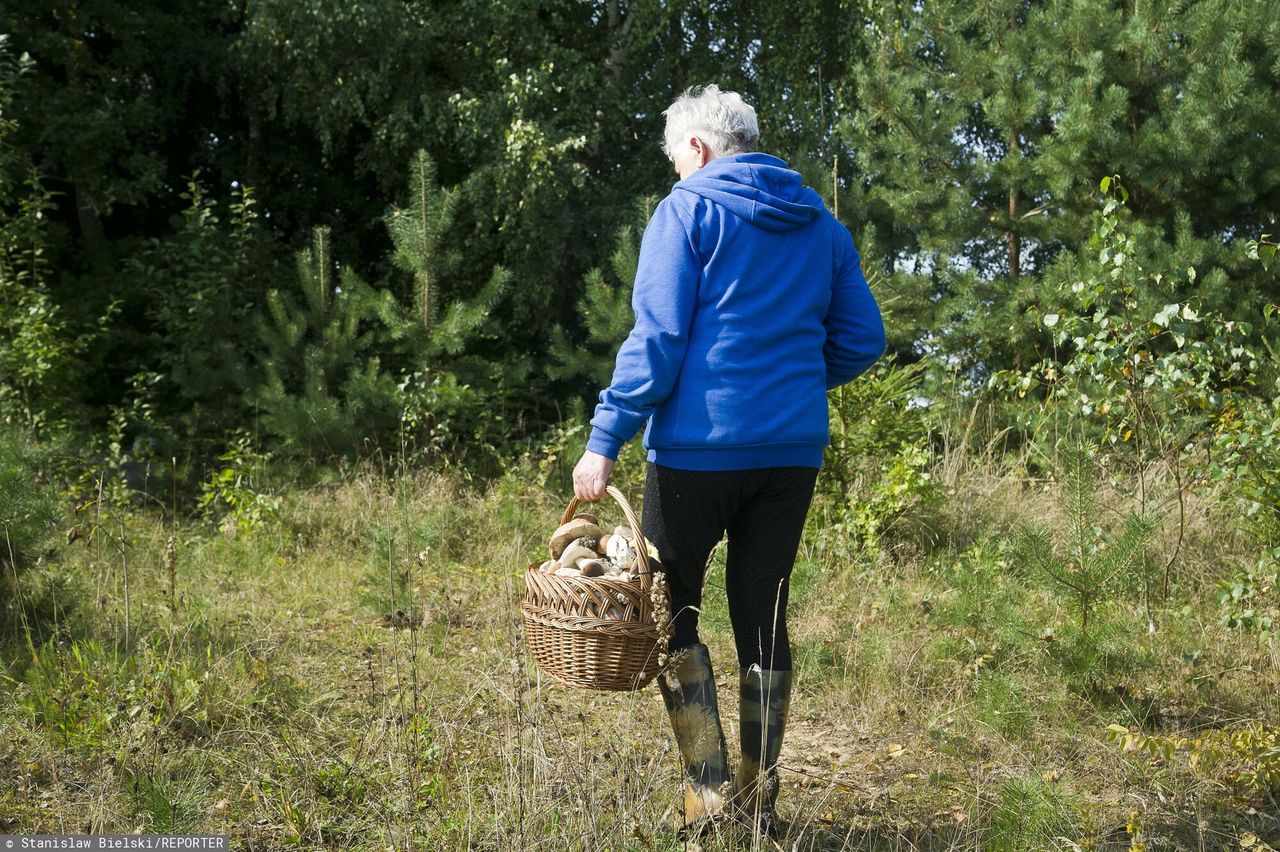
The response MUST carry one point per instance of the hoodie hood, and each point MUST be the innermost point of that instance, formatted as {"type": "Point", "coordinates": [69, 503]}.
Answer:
{"type": "Point", "coordinates": [758, 188]}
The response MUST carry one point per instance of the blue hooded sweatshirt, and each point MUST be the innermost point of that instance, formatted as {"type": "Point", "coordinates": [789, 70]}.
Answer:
{"type": "Point", "coordinates": [750, 304]}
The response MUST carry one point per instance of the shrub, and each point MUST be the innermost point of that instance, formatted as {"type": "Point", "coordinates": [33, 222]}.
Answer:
{"type": "Point", "coordinates": [877, 468]}
{"type": "Point", "coordinates": [28, 507]}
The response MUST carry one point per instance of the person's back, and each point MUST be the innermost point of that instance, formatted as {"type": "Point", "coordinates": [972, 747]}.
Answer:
{"type": "Point", "coordinates": [751, 389]}
{"type": "Point", "coordinates": [750, 303]}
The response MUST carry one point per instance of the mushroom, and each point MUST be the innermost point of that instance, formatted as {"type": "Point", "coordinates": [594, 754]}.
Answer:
{"type": "Point", "coordinates": [587, 516]}
{"type": "Point", "coordinates": [575, 529]}
{"type": "Point", "coordinates": [591, 567]}
{"type": "Point", "coordinates": [568, 571]}
{"type": "Point", "coordinates": [549, 566]}
{"type": "Point", "coordinates": [619, 550]}
{"type": "Point", "coordinates": [576, 551]}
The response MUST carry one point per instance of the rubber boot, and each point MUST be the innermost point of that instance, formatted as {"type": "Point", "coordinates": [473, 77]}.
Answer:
{"type": "Point", "coordinates": [765, 697]}
{"type": "Point", "coordinates": [689, 691]}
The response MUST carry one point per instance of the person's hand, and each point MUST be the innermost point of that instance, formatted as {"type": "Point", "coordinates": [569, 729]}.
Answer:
{"type": "Point", "coordinates": [591, 475]}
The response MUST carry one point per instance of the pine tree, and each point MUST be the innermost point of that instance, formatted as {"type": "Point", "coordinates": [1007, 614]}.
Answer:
{"type": "Point", "coordinates": [324, 390]}
{"type": "Point", "coordinates": [1083, 564]}
{"type": "Point", "coordinates": [605, 311]}
{"type": "Point", "coordinates": [443, 323]}
{"type": "Point", "coordinates": [981, 131]}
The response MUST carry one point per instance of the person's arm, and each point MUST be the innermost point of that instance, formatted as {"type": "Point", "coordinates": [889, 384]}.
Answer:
{"type": "Point", "coordinates": [855, 329]}
{"type": "Point", "coordinates": [649, 360]}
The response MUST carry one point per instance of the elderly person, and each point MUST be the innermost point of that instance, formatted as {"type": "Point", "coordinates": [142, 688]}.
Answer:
{"type": "Point", "coordinates": [750, 303]}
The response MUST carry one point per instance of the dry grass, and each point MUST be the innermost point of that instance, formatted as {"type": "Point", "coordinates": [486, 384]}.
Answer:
{"type": "Point", "coordinates": [352, 676]}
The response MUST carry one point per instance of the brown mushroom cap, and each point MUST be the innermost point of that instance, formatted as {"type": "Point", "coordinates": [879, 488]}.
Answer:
{"type": "Point", "coordinates": [591, 567]}
{"type": "Point", "coordinates": [576, 528]}
{"type": "Point", "coordinates": [587, 516]}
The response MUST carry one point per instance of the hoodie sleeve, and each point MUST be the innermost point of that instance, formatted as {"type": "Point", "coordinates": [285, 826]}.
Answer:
{"type": "Point", "coordinates": [666, 289]}
{"type": "Point", "coordinates": [855, 329]}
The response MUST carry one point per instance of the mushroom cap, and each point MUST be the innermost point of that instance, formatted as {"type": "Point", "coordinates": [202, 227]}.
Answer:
{"type": "Point", "coordinates": [576, 551]}
{"type": "Point", "coordinates": [576, 528]}
{"type": "Point", "coordinates": [587, 516]}
{"type": "Point", "coordinates": [591, 567]}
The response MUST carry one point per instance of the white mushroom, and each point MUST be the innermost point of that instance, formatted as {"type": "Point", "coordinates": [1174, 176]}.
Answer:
{"type": "Point", "coordinates": [619, 550]}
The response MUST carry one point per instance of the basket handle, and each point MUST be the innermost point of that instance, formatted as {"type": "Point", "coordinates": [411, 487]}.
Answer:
{"type": "Point", "coordinates": [642, 551]}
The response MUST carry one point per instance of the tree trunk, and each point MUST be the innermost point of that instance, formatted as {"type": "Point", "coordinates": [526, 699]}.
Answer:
{"type": "Point", "coordinates": [1012, 239]}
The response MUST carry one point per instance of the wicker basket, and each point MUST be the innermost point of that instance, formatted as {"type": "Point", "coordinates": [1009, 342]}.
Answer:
{"type": "Point", "coordinates": [597, 632]}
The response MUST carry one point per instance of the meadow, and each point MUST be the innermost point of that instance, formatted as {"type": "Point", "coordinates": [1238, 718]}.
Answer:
{"type": "Point", "coordinates": [339, 664]}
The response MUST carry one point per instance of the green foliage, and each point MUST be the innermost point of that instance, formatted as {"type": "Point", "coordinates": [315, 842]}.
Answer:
{"type": "Point", "coordinates": [235, 491]}
{"type": "Point", "coordinates": [200, 283]}
{"type": "Point", "coordinates": [1250, 600]}
{"type": "Point", "coordinates": [87, 692]}
{"type": "Point", "coordinates": [29, 506]}
{"type": "Point", "coordinates": [978, 130]}
{"type": "Point", "coordinates": [1263, 250]}
{"type": "Point", "coordinates": [447, 421]}
{"type": "Point", "coordinates": [1084, 564]}
{"type": "Point", "coordinates": [1028, 814]}
{"type": "Point", "coordinates": [1151, 373]}
{"type": "Point", "coordinates": [417, 235]}
{"type": "Point", "coordinates": [604, 310]}
{"type": "Point", "coordinates": [324, 390]}
{"type": "Point", "coordinates": [986, 599]}
{"type": "Point", "coordinates": [37, 346]}
{"type": "Point", "coordinates": [1146, 376]}
{"type": "Point", "coordinates": [1247, 460]}
{"type": "Point", "coordinates": [1246, 753]}
{"type": "Point", "coordinates": [877, 468]}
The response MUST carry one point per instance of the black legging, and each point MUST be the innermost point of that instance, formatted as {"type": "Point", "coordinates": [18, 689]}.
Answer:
{"type": "Point", "coordinates": [687, 511]}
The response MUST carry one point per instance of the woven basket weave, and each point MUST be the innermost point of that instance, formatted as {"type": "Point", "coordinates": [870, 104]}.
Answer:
{"type": "Point", "coordinates": [597, 632]}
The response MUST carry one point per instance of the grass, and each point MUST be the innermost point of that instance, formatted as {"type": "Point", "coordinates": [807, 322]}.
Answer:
{"type": "Point", "coordinates": [351, 675]}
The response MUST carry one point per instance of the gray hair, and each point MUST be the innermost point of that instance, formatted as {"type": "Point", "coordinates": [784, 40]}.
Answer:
{"type": "Point", "coordinates": [723, 120]}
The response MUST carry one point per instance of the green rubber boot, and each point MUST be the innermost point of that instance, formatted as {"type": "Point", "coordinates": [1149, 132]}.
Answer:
{"type": "Point", "coordinates": [689, 691]}
{"type": "Point", "coordinates": [765, 697]}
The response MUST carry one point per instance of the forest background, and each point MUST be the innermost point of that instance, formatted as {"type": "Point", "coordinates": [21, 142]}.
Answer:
{"type": "Point", "coordinates": [249, 250]}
